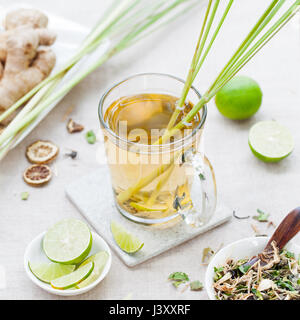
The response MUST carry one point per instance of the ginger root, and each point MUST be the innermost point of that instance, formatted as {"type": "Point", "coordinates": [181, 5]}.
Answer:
{"type": "Point", "coordinates": [23, 64]}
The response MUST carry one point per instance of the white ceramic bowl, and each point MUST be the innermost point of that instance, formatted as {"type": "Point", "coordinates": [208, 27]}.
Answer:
{"type": "Point", "coordinates": [34, 252]}
{"type": "Point", "coordinates": [241, 249]}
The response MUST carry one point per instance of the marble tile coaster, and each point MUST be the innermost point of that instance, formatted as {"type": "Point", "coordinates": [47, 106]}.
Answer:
{"type": "Point", "coordinates": [92, 195]}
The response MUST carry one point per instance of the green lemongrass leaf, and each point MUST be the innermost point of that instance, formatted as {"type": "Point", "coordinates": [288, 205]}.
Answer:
{"type": "Point", "coordinates": [140, 27]}
{"type": "Point", "coordinates": [246, 42]}
{"type": "Point", "coordinates": [169, 20]}
{"type": "Point", "coordinates": [189, 80]}
{"type": "Point", "coordinates": [97, 34]}
{"type": "Point", "coordinates": [213, 38]}
{"type": "Point", "coordinates": [122, 44]}
{"type": "Point", "coordinates": [290, 13]}
{"type": "Point", "coordinates": [242, 50]}
{"type": "Point", "coordinates": [209, 95]}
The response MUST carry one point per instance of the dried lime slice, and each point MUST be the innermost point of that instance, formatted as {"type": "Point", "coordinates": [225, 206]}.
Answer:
{"type": "Point", "coordinates": [100, 260]}
{"type": "Point", "coordinates": [68, 242]}
{"type": "Point", "coordinates": [47, 272]}
{"type": "Point", "coordinates": [72, 279]}
{"type": "Point", "coordinates": [41, 152]}
{"type": "Point", "coordinates": [270, 141]}
{"type": "Point", "coordinates": [126, 241]}
{"type": "Point", "coordinates": [37, 175]}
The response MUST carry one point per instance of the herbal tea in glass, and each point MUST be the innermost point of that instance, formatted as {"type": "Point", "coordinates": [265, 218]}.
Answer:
{"type": "Point", "coordinates": [151, 182]}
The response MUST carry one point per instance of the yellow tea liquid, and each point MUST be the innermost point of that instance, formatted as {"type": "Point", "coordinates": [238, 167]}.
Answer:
{"type": "Point", "coordinates": [141, 120]}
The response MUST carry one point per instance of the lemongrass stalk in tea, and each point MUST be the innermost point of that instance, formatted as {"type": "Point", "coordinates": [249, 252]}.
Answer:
{"type": "Point", "coordinates": [140, 120]}
{"type": "Point", "coordinates": [248, 48]}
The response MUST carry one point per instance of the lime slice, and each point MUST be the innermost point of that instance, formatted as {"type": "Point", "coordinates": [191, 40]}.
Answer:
{"type": "Point", "coordinates": [239, 99]}
{"type": "Point", "coordinates": [74, 278]}
{"type": "Point", "coordinates": [68, 242]}
{"type": "Point", "coordinates": [126, 241]}
{"type": "Point", "coordinates": [100, 260]}
{"type": "Point", "coordinates": [270, 141]}
{"type": "Point", "coordinates": [47, 272]}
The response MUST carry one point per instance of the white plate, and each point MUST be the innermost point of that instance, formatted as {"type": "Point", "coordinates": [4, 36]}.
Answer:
{"type": "Point", "coordinates": [34, 252]}
{"type": "Point", "coordinates": [69, 36]}
{"type": "Point", "coordinates": [241, 249]}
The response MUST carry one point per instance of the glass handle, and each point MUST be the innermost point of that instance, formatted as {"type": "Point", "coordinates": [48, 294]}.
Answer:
{"type": "Point", "coordinates": [203, 191]}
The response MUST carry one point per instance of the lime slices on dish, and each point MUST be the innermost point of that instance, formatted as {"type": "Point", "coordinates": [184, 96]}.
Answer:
{"type": "Point", "coordinates": [100, 260]}
{"type": "Point", "coordinates": [72, 279]}
{"type": "Point", "coordinates": [270, 141]}
{"type": "Point", "coordinates": [47, 272]}
{"type": "Point", "coordinates": [68, 242]}
{"type": "Point", "coordinates": [126, 241]}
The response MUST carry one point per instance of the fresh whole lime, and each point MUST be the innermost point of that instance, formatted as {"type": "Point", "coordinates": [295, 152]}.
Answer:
{"type": "Point", "coordinates": [239, 99]}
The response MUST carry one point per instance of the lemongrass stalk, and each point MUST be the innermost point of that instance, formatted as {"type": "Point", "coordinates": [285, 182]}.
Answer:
{"type": "Point", "coordinates": [261, 23]}
{"type": "Point", "coordinates": [65, 89]}
{"type": "Point", "coordinates": [128, 40]}
{"type": "Point", "coordinates": [126, 194]}
{"type": "Point", "coordinates": [189, 81]}
{"type": "Point", "coordinates": [272, 31]}
{"type": "Point", "coordinates": [159, 186]}
{"type": "Point", "coordinates": [169, 20]}
{"type": "Point", "coordinates": [209, 94]}
{"type": "Point", "coordinates": [136, 16]}
{"type": "Point", "coordinates": [42, 94]}
{"type": "Point", "coordinates": [213, 38]}
{"type": "Point", "coordinates": [97, 34]}
{"type": "Point", "coordinates": [78, 77]}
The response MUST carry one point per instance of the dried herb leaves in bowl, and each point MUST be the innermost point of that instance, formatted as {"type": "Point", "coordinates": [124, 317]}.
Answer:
{"type": "Point", "coordinates": [275, 276]}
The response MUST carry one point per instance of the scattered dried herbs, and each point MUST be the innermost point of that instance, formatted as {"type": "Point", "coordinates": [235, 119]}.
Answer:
{"type": "Point", "coordinates": [196, 285]}
{"type": "Point", "coordinates": [72, 154]}
{"type": "Point", "coordinates": [238, 217]}
{"type": "Point", "coordinates": [24, 195]}
{"type": "Point", "coordinates": [179, 278]}
{"type": "Point", "coordinates": [207, 254]}
{"type": "Point", "coordinates": [90, 137]}
{"type": "Point", "coordinates": [275, 276]}
{"type": "Point", "coordinates": [262, 216]}
{"type": "Point", "coordinates": [201, 176]}
{"type": "Point", "coordinates": [73, 127]}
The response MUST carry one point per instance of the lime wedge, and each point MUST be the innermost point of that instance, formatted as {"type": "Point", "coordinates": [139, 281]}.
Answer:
{"type": "Point", "coordinates": [72, 279]}
{"type": "Point", "coordinates": [270, 141]}
{"type": "Point", "coordinates": [100, 260]}
{"type": "Point", "coordinates": [126, 241]}
{"type": "Point", "coordinates": [68, 242]}
{"type": "Point", "coordinates": [47, 272]}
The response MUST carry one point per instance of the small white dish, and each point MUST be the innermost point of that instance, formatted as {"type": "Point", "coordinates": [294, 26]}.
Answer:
{"type": "Point", "coordinates": [241, 249]}
{"type": "Point", "coordinates": [34, 252]}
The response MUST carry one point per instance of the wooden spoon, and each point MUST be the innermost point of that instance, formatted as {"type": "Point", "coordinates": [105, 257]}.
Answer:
{"type": "Point", "coordinates": [287, 229]}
